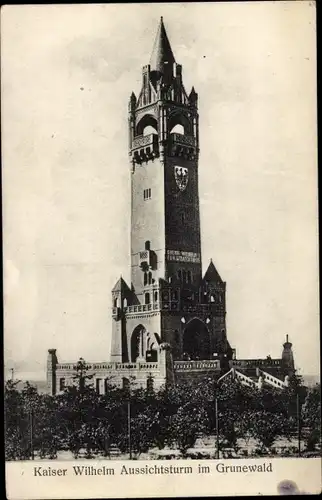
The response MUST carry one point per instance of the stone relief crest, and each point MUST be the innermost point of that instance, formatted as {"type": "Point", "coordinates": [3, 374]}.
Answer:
{"type": "Point", "coordinates": [181, 177]}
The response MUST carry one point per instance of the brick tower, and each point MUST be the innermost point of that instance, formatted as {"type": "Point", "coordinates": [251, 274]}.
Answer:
{"type": "Point", "coordinates": [169, 300]}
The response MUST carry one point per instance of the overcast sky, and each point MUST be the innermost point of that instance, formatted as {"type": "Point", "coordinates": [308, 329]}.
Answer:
{"type": "Point", "coordinates": [67, 73]}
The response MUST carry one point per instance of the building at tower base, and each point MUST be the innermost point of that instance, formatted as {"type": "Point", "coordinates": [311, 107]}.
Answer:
{"type": "Point", "coordinates": [169, 323]}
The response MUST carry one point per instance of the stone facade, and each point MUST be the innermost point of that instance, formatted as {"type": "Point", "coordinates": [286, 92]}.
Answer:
{"type": "Point", "coordinates": [169, 323]}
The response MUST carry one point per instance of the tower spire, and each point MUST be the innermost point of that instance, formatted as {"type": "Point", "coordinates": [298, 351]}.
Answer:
{"type": "Point", "coordinates": [162, 53]}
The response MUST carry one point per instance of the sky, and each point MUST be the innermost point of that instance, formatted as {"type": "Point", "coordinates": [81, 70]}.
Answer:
{"type": "Point", "coordinates": [67, 73]}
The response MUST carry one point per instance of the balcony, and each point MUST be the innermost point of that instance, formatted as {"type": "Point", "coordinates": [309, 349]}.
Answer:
{"type": "Point", "coordinates": [139, 308]}
{"type": "Point", "coordinates": [184, 140]}
{"type": "Point", "coordinates": [109, 366]}
{"type": "Point", "coordinates": [183, 145]}
{"type": "Point", "coordinates": [145, 148]}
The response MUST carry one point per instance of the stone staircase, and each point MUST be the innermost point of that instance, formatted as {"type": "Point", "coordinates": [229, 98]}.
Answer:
{"type": "Point", "coordinates": [256, 378]}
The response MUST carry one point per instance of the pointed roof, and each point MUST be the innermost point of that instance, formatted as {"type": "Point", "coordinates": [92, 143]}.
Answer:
{"type": "Point", "coordinates": [212, 275]}
{"type": "Point", "coordinates": [120, 286]}
{"type": "Point", "coordinates": [162, 52]}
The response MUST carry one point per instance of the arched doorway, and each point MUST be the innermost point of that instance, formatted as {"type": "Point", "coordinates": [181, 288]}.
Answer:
{"type": "Point", "coordinates": [144, 345]}
{"type": "Point", "coordinates": [196, 341]}
{"type": "Point", "coordinates": [137, 343]}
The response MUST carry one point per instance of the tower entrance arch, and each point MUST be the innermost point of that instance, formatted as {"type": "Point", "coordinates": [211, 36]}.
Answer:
{"type": "Point", "coordinates": [144, 345]}
{"type": "Point", "coordinates": [196, 340]}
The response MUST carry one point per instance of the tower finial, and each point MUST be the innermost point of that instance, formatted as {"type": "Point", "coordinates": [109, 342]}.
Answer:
{"type": "Point", "coordinates": [162, 53]}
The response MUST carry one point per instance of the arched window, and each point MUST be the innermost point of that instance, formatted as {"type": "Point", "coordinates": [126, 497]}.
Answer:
{"type": "Point", "coordinates": [147, 245]}
{"type": "Point", "coordinates": [149, 130]}
{"type": "Point", "coordinates": [150, 278]}
{"type": "Point", "coordinates": [179, 123]}
{"type": "Point", "coordinates": [178, 129]}
{"type": "Point", "coordinates": [212, 298]}
{"type": "Point", "coordinates": [155, 296]}
{"type": "Point", "coordinates": [147, 125]}
{"type": "Point", "coordinates": [115, 302]}
{"type": "Point", "coordinates": [174, 295]}
{"type": "Point", "coordinates": [147, 298]}
{"type": "Point", "coordinates": [125, 302]}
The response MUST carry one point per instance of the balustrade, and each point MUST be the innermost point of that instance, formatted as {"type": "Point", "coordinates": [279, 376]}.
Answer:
{"type": "Point", "coordinates": [187, 140]}
{"type": "Point", "coordinates": [196, 365]}
{"type": "Point", "coordinates": [145, 147]}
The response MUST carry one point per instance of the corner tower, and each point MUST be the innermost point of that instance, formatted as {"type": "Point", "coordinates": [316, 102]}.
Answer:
{"type": "Point", "coordinates": [168, 300]}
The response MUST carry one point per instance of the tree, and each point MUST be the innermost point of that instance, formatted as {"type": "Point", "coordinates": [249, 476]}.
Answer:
{"type": "Point", "coordinates": [81, 375]}
{"type": "Point", "coordinates": [186, 425]}
{"type": "Point", "coordinates": [311, 414]}
{"type": "Point", "coordinates": [79, 414]}
{"type": "Point", "coordinates": [16, 445]}
{"type": "Point", "coordinates": [20, 410]}
{"type": "Point", "coordinates": [266, 427]}
{"type": "Point", "coordinates": [46, 427]}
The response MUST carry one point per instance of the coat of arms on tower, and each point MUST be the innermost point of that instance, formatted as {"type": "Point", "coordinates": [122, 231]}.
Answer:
{"type": "Point", "coordinates": [181, 176]}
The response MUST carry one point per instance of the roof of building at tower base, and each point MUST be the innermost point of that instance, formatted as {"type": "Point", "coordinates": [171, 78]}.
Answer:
{"type": "Point", "coordinates": [212, 275]}
{"type": "Point", "coordinates": [121, 286]}
{"type": "Point", "coordinates": [162, 52]}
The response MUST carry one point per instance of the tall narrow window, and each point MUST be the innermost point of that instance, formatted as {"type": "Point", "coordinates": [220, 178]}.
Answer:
{"type": "Point", "coordinates": [155, 296]}
{"type": "Point", "coordinates": [147, 245]}
{"type": "Point", "coordinates": [145, 279]}
{"type": "Point", "coordinates": [150, 278]}
{"type": "Point", "coordinates": [180, 274]}
{"type": "Point", "coordinates": [184, 276]}
{"type": "Point", "coordinates": [61, 384]}
{"type": "Point", "coordinates": [189, 277]}
{"type": "Point", "coordinates": [98, 385]}
{"type": "Point", "coordinates": [147, 194]}
{"type": "Point", "coordinates": [147, 298]}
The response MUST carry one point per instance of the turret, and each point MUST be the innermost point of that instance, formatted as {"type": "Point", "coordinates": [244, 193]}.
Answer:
{"type": "Point", "coordinates": [288, 367]}
{"type": "Point", "coordinates": [52, 362]}
{"type": "Point", "coordinates": [193, 98]}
